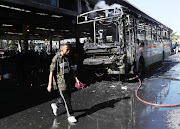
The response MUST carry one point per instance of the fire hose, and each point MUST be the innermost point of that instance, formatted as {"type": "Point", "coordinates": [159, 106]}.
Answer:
{"type": "Point", "coordinates": [152, 104]}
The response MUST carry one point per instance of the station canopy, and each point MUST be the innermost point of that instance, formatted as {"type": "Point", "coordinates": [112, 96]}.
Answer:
{"type": "Point", "coordinates": [38, 20]}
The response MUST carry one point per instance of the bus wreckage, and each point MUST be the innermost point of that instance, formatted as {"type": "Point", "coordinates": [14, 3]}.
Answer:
{"type": "Point", "coordinates": [118, 41]}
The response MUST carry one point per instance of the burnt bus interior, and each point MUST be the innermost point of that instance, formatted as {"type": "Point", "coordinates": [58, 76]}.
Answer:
{"type": "Point", "coordinates": [112, 38]}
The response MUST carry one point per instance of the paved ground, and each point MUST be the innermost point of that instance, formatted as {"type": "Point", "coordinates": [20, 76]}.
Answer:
{"type": "Point", "coordinates": [102, 105]}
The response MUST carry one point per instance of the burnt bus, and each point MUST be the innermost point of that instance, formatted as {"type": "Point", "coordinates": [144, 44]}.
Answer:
{"type": "Point", "coordinates": [118, 41]}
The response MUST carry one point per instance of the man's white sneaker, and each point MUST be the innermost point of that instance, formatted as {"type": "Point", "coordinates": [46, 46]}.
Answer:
{"type": "Point", "coordinates": [72, 119]}
{"type": "Point", "coordinates": [54, 108]}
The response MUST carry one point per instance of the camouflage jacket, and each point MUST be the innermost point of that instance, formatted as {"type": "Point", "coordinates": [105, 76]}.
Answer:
{"type": "Point", "coordinates": [58, 75]}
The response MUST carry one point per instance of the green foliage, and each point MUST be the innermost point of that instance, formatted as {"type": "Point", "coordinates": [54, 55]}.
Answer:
{"type": "Point", "coordinates": [8, 44]}
{"type": "Point", "coordinates": [174, 37]}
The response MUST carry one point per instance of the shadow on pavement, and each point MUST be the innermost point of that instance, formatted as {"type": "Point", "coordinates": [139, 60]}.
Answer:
{"type": "Point", "coordinates": [98, 107]}
{"type": "Point", "coordinates": [15, 99]}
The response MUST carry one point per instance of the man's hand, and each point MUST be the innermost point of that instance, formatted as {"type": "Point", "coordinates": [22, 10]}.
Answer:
{"type": "Point", "coordinates": [78, 84]}
{"type": "Point", "coordinates": [49, 88]}
{"type": "Point", "coordinates": [77, 80]}
{"type": "Point", "coordinates": [50, 82]}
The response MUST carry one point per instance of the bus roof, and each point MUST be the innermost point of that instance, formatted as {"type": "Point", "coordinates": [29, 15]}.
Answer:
{"type": "Point", "coordinates": [139, 12]}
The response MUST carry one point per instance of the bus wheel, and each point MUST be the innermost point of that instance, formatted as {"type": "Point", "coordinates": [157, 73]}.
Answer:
{"type": "Point", "coordinates": [141, 67]}
{"type": "Point", "coordinates": [163, 57]}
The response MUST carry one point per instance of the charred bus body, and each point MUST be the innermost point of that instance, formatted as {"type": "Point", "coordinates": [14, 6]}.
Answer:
{"type": "Point", "coordinates": [118, 41]}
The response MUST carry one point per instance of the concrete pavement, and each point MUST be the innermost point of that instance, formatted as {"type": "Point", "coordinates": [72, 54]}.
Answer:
{"type": "Point", "coordinates": [101, 105]}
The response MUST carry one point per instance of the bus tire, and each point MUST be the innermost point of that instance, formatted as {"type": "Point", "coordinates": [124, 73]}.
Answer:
{"type": "Point", "coordinates": [141, 67]}
{"type": "Point", "coordinates": [163, 57]}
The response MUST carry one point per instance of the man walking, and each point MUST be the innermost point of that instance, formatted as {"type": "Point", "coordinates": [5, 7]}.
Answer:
{"type": "Point", "coordinates": [59, 78]}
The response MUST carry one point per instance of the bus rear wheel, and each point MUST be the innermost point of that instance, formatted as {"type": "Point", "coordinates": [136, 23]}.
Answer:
{"type": "Point", "coordinates": [141, 67]}
{"type": "Point", "coordinates": [163, 57]}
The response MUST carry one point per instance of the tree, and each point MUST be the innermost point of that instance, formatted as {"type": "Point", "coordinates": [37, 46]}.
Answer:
{"type": "Point", "coordinates": [174, 37]}
{"type": "Point", "coordinates": [8, 44]}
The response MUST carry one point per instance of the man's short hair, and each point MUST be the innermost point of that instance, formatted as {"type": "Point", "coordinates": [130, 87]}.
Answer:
{"type": "Point", "coordinates": [63, 45]}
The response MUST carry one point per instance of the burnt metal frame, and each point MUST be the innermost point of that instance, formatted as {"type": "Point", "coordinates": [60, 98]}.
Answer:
{"type": "Point", "coordinates": [126, 16]}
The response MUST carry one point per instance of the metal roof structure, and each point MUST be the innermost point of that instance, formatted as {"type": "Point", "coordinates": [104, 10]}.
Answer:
{"type": "Point", "coordinates": [40, 20]}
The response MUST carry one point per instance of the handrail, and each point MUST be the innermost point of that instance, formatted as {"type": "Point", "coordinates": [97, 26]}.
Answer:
{"type": "Point", "coordinates": [107, 13]}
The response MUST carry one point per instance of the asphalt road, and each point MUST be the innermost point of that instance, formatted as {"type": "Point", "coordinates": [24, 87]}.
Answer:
{"type": "Point", "coordinates": [102, 105]}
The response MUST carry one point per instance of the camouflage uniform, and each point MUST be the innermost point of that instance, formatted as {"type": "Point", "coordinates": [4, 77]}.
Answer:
{"type": "Point", "coordinates": [58, 75]}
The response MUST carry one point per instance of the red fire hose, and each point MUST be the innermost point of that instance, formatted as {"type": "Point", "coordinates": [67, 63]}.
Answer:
{"type": "Point", "coordinates": [152, 104]}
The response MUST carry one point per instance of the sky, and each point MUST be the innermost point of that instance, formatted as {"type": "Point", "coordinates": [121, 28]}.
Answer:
{"type": "Point", "coordinates": [165, 11]}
